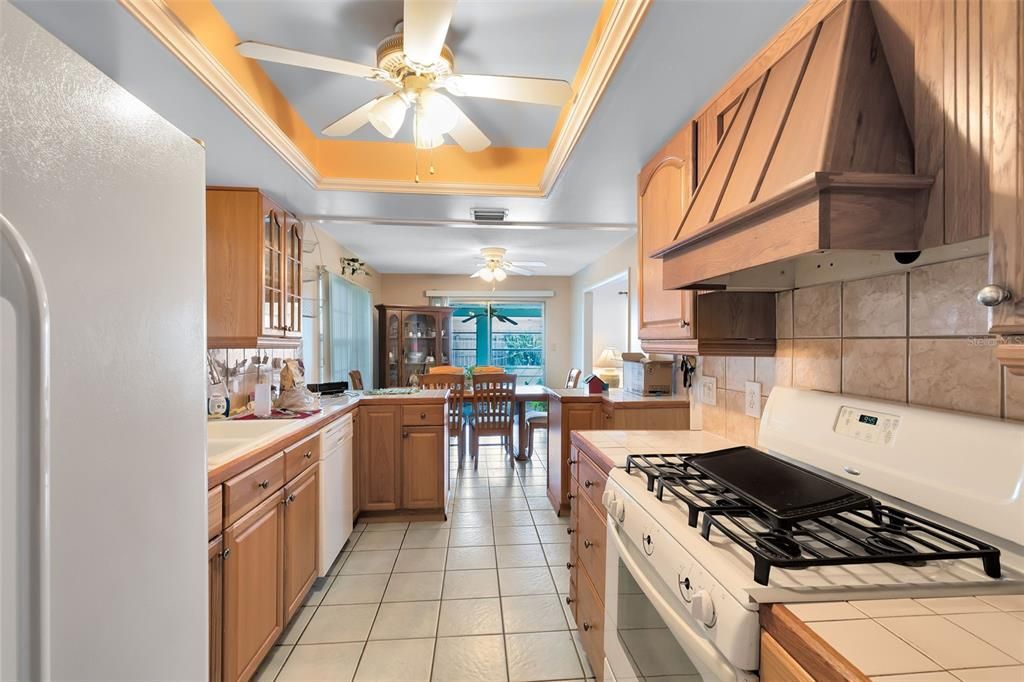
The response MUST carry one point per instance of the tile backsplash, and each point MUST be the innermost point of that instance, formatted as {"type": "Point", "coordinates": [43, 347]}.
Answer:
{"type": "Point", "coordinates": [917, 337]}
{"type": "Point", "coordinates": [242, 369]}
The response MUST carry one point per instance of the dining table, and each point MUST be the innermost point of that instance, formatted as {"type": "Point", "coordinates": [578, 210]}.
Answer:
{"type": "Point", "coordinates": [525, 393]}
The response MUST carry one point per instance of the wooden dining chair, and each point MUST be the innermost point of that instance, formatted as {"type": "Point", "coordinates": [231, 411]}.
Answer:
{"type": "Point", "coordinates": [494, 403]}
{"type": "Point", "coordinates": [355, 377]}
{"type": "Point", "coordinates": [447, 369]}
{"type": "Point", "coordinates": [539, 420]}
{"type": "Point", "coordinates": [455, 384]}
{"type": "Point", "coordinates": [488, 369]}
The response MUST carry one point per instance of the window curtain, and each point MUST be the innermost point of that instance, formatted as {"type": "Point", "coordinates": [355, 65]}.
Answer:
{"type": "Point", "coordinates": [347, 330]}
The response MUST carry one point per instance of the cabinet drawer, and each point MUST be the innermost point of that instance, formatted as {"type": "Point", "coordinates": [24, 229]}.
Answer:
{"type": "Point", "coordinates": [590, 622]}
{"type": "Point", "coordinates": [423, 415]}
{"type": "Point", "coordinates": [590, 544]}
{"type": "Point", "coordinates": [592, 480]}
{"type": "Point", "coordinates": [248, 489]}
{"type": "Point", "coordinates": [214, 512]}
{"type": "Point", "coordinates": [300, 457]}
{"type": "Point", "coordinates": [573, 598]}
{"type": "Point", "coordinates": [574, 462]}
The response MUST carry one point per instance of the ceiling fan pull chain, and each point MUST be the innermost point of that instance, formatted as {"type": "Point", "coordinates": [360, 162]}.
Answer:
{"type": "Point", "coordinates": [432, 171]}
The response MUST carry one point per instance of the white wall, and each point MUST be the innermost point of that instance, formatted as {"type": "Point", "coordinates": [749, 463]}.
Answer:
{"type": "Point", "coordinates": [609, 319]}
{"type": "Point", "coordinates": [620, 259]}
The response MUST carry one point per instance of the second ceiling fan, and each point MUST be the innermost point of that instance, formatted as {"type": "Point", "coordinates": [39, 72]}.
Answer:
{"type": "Point", "coordinates": [416, 64]}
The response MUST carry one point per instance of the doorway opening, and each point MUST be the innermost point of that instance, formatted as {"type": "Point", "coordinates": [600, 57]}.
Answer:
{"type": "Point", "coordinates": [606, 328]}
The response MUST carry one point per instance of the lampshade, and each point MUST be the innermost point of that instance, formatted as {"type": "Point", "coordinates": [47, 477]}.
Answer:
{"type": "Point", "coordinates": [388, 114]}
{"type": "Point", "coordinates": [486, 274]}
{"type": "Point", "coordinates": [500, 275]}
{"type": "Point", "coordinates": [437, 113]}
{"type": "Point", "coordinates": [609, 358]}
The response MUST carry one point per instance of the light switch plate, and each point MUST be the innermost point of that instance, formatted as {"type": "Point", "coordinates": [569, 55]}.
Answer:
{"type": "Point", "coordinates": [709, 391]}
{"type": "Point", "coordinates": [752, 399]}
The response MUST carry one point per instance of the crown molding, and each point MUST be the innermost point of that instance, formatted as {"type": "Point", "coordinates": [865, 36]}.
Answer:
{"type": "Point", "coordinates": [623, 21]}
{"type": "Point", "coordinates": [625, 18]}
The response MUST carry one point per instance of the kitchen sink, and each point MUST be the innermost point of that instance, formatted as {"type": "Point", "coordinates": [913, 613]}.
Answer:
{"type": "Point", "coordinates": [247, 429]}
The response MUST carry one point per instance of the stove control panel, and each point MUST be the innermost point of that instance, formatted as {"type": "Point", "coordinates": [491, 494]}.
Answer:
{"type": "Point", "coordinates": [867, 425]}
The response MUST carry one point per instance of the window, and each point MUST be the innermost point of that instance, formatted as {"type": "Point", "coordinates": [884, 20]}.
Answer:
{"type": "Point", "coordinates": [347, 330]}
{"type": "Point", "coordinates": [508, 335]}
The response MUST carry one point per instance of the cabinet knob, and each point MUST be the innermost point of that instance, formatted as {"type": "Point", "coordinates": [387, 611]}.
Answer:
{"type": "Point", "coordinates": [569, 531]}
{"type": "Point", "coordinates": [570, 496]}
{"type": "Point", "coordinates": [568, 601]}
{"type": "Point", "coordinates": [568, 565]}
{"type": "Point", "coordinates": [684, 323]}
{"type": "Point", "coordinates": [587, 626]}
{"type": "Point", "coordinates": [263, 484]}
{"type": "Point", "coordinates": [992, 295]}
{"type": "Point", "coordinates": [225, 553]}
{"type": "Point", "coordinates": [289, 499]}
{"type": "Point", "coordinates": [588, 544]}
{"type": "Point", "coordinates": [587, 484]}
{"type": "Point", "coordinates": [423, 415]}
{"type": "Point", "coordinates": [572, 461]}
{"type": "Point", "coordinates": [308, 455]}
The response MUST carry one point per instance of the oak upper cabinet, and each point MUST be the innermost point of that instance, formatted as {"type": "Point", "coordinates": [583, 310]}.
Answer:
{"type": "Point", "coordinates": [253, 587]}
{"type": "Point", "coordinates": [380, 443]}
{"type": "Point", "coordinates": [664, 188]}
{"type": "Point", "coordinates": [253, 271]}
{"type": "Point", "coordinates": [301, 533]}
{"type": "Point", "coordinates": [422, 467]}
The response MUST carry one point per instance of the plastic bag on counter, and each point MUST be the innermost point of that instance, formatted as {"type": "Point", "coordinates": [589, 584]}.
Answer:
{"type": "Point", "coordinates": [294, 394]}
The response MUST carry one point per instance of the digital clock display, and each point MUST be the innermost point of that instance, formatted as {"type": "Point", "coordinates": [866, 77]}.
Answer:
{"type": "Point", "coordinates": [868, 419]}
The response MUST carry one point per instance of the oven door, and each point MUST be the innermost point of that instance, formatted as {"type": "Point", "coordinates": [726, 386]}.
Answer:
{"type": "Point", "coordinates": [647, 633]}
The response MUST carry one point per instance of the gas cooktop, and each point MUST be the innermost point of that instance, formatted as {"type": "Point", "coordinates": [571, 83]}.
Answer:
{"type": "Point", "coordinates": [789, 517]}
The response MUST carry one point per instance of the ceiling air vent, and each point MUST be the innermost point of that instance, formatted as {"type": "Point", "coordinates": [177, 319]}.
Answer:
{"type": "Point", "coordinates": [489, 215]}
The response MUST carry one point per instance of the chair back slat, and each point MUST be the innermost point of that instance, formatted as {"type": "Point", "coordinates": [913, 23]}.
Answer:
{"type": "Point", "coordinates": [355, 377]}
{"type": "Point", "coordinates": [494, 398]}
{"type": "Point", "coordinates": [573, 378]}
{"type": "Point", "coordinates": [455, 384]}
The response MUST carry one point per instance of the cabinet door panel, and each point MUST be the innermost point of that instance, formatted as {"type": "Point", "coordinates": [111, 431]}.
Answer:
{"type": "Point", "coordinates": [253, 588]}
{"type": "Point", "coordinates": [301, 533]}
{"type": "Point", "coordinates": [379, 458]}
{"type": "Point", "coordinates": [216, 589]}
{"type": "Point", "coordinates": [422, 468]}
{"type": "Point", "coordinates": [590, 621]}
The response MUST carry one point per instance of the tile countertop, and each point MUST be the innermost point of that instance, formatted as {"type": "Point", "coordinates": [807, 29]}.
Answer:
{"type": "Point", "coordinates": [235, 445]}
{"type": "Point", "coordinates": [616, 397]}
{"type": "Point", "coordinates": [925, 640]}
{"type": "Point", "coordinates": [610, 448]}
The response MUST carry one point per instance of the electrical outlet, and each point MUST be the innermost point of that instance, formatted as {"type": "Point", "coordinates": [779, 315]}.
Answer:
{"type": "Point", "coordinates": [752, 399]}
{"type": "Point", "coordinates": [709, 391]}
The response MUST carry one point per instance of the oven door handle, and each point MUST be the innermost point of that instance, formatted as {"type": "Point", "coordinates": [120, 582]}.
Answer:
{"type": "Point", "coordinates": [712, 664]}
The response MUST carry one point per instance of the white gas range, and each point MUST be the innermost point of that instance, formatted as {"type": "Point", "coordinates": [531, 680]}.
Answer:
{"type": "Point", "coordinates": [937, 492]}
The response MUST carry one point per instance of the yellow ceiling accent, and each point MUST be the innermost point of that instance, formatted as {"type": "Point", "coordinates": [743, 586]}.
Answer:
{"type": "Point", "coordinates": [201, 38]}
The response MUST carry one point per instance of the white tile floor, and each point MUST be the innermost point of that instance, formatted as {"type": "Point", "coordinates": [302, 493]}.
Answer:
{"type": "Point", "coordinates": [480, 597]}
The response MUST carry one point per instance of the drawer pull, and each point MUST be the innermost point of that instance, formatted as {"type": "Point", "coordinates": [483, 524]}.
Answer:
{"type": "Point", "coordinates": [588, 544]}
{"type": "Point", "coordinates": [568, 565]}
{"type": "Point", "coordinates": [226, 553]}
{"type": "Point", "coordinates": [288, 500]}
{"type": "Point", "coordinates": [573, 461]}
{"type": "Point", "coordinates": [423, 415]}
{"type": "Point", "coordinates": [569, 601]}
{"type": "Point", "coordinates": [587, 626]}
{"type": "Point", "coordinates": [569, 531]}
{"type": "Point", "coordinates": [263, 484]}
{"type": "Point", "coordinates": [587, 484]}
{"type": "Point", "coordinates": [570, 496]}
{"type": "Point", "coordinates": [308, 455]}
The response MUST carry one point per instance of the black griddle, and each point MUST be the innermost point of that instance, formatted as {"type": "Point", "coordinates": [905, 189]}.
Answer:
{"type": "Point", "coordinates": [786, 493]}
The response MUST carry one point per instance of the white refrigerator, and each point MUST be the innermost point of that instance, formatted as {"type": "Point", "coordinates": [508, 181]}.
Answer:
{"type": "Point", "coordinates": [103, 565]}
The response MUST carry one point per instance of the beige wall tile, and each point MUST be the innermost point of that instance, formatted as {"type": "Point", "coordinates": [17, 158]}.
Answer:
{"type": "Point", "coordinates": [1013, 405]}
{"type": "Point", "coordinates": [876, 368]}
{"type": "Point", "coordinates": [714, 367]}
{"type": "Point", "coordinates": [817, 364]}
{"type": "Point", "coordinates": [764, 374]}
{"type": "Point", "coordinates": [942, 298]}
{"type": "Point", "coordinates": [784, 315]}
{"type": "Point", "coordinates": [714, 415]}
{"type": "Point", "coordinates": [955, 374]}
{"type": "Point", "coordinates": [784, 363]}
{"type": "Point", "coordinates": [739, 428]}
{"type": "Point", "coordinates": [738, 371]}
{"type": "Point", "coordinates": [816, 311]}
{"type": "Point", "coordinates": [875, 306]}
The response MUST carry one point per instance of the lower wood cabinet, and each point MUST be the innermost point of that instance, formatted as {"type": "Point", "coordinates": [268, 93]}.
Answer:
{"type": "Point", "coordinates": [422, 469]}
{"type": "Point", "coordinates": [777, 665]}
{"type": "Point", "coordinates": [301, 536]}
{"type": "Point", "coordinates": [380, 443]}
{"type": "Point", "coordinates": [564, 418]}
{"type": "Point", "coordinates": [253, 588]}
{"type": "Point", "coordinates": [216, 589]}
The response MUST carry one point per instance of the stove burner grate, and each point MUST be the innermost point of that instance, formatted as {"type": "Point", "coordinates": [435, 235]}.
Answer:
{"type": "Point", "coordinates": [696, 490]}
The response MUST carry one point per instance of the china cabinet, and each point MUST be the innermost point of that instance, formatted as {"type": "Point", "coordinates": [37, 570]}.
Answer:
{"type": "Point", "coordinates": [412, 340]}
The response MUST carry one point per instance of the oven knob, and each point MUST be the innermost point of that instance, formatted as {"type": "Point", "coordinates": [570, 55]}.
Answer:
{"type": "Point", "coordinates": [704, 608]}
{"type": "Point", "coordinates": [617, 510]}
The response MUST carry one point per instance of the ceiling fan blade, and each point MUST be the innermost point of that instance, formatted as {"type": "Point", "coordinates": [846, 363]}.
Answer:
{"type": "Point", "coordinates": [351, 122]}
{"type": "Point", "coordinates": [475, 274]}
{"type": "Point", "coordinates": [467, 135]}
{"type": "Point", "coordinates": [518, 270]}
{"type": "Point", "coordinates": [510, 88]}
{"type": "Point", "coordinates": [529, 263]}
{"type": "Point", "coordinates": [425, 26]}
{"type": "Point", "coordinates": [284, 55]}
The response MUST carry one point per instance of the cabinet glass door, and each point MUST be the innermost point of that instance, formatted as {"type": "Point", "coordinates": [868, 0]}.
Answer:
{"type": "Point", "coordinates": [292, 275]}
{"type": "Point", "coordinates": [273, 289]}
{"type": "Point", "coordinates": [393, 346]}
{"type": "Point", "coordinates": [445, 343]}
{"type": "Point", "coordinates": [420, 336]}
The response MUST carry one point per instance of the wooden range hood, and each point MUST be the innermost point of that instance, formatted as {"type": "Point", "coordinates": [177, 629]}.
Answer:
{"type": "Point", "coordinates": [817, 157]}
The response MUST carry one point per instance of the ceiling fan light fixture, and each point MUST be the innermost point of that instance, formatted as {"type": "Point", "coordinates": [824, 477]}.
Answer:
{"type": "Point", "coordinates": [439, 113]}
{"type": "Point", "coordinates": [486, 274]}
{"type": "Point", "coordinates": [500, 275]}
{"type": "Point", "coordinates": [388, 114]}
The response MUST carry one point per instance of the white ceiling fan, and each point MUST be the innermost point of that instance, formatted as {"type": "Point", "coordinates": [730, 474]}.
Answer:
{"type": "Point", "coordinates": [495, 268]}
{"type": "Point", "coordinates": [415, 63]}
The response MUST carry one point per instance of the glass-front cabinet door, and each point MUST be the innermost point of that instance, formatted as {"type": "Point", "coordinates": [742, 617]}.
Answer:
{"type": "Point", "coordinates": [273, 282]}
{"type": "Point", "coordinates": [445, 342]}
{"type": "Point", "coordinates": [420, 335]}
{"type": "Point", "coordinates": [291, 259]}
{"type": "Point", "coordinates": [393, 349]}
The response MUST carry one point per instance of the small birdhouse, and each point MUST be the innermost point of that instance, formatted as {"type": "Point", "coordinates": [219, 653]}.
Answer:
{"type": "Point", "coordinates": [594, 384]}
